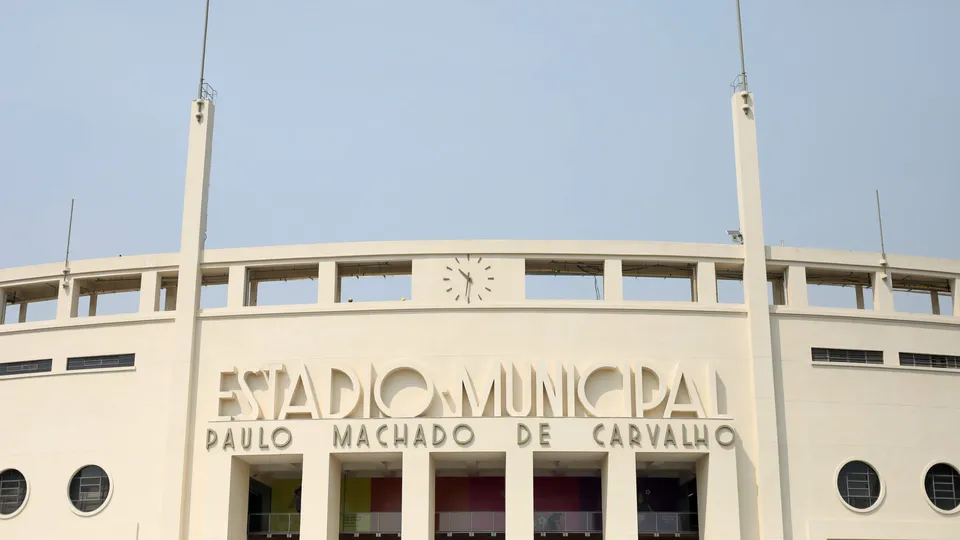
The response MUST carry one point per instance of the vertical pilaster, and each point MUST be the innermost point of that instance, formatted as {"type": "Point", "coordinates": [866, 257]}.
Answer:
{"type": "Point", "coordinates": [796, 277]}
{"type": "Point", "coordinates": [620, 495]}
{"type": "Point", "coordinates": [22, 312]}
{"type": "Point", "coordinates": [92, 305]}
{"type": "Point", "coordinates": [706, 282]}
{"type": "Point", "coordinates": [320, 497]}
{"type": "Point", "coordinates": [254, 288]}
{"type": "Point", "coordinates": [935, 302]}
{"type": "Point", "coordinates": [182, 363]}
{"type": "Point", "coordinates": [237, 287]}
{"type": "Point", "coordinates": [225, 503]}
{"type": "Point", "coordinates": [327, 282]}
{"type": "Point", "coordinates": [170, 299]}
{"type": "Point", "coordinates": [882, 291]}
{"type": "Point", "coordinates": [418, 516]}
{"type": "Point", "coordinates": [519, 495]}
{"type": "Point", "coordinates": [149, 291]}
{"type": "Point", "coordinates": [955, 291]}
{"type": "Point", "coordinates": [717, 495]}
{"type": "Point", "coordinates": [613, 280]}
{"type": "Point", "coordinates": [764, 451]}
{"type": "Point", "coordinates": [67, 300]}
{"type": "Point", "coordinates": [3, 306]}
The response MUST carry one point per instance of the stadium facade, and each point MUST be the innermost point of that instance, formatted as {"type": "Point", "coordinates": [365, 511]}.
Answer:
{"type": "Point", "coordinates": [468, 408]}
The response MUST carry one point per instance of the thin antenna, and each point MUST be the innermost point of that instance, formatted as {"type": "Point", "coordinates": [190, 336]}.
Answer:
{"type": "Point", "coordinates": [203, 55]}
{"type": "Point", "coordinates": [743, 65]}
{"type": "Point", "coordinates": [66, 260]}
{"type": "Point", "coordinates": [883, 250]}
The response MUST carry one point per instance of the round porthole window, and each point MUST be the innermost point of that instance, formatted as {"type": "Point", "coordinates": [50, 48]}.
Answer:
{"type": "Point", "coordinates": [859, 485]}
{"type": "Point", "coordinates": [942, 484]}
{"type": "Point", "coordinates": [13, 493]}
{"type": "Point", "coordinates": [89, 490]}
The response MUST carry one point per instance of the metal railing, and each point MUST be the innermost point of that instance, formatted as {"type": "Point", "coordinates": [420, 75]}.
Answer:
{"type": "Point", "coordinates": [471, 522]}
{"type": "Point", "coordinates": [273, 524]}
{"type": "Point", "coordinates": [568, 522]}
{"type": "Point", "coordinates": [370, 522]}
{"type": "Point", "coordinates": [668, 522]}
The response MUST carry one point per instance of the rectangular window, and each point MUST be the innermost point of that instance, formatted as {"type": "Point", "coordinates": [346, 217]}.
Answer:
{"type": "Point", "coordinates": [374, 281]}
{"type": "Point", "coordinates": [847, 356]}
{"type": "Point", "coordinates": [662, 282]}
{"type": "Point", "coordinates": [930, 360]}
{"type": "Point", "coordinates": [23, 368]}
{"type": "Point", "coordinates": [547, 279]}
{"type": "Point", "coordinates": [100, 362]}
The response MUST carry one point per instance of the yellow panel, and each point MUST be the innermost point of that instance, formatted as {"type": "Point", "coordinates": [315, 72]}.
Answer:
{"type": "Point", "coordinates": [282, 501]}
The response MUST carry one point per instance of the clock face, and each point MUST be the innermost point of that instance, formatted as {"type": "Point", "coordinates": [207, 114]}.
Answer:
{"type": "Point", "coordinates": [467, 279]}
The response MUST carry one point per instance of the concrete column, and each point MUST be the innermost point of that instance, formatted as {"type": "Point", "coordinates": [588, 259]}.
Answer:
{"type": "Point", "coordinates": [883, 292]}
{"type": "Point", "coordinates": [717, 495]}
{"type": "Point", "coordinates": [764, 451]}
{"type": "Point", "coordinates": [149, 292]}
{"type": "Point", "coordinates": [860, 304]}
{"type": "Point", "coordinates": [92, 305]}
{"type": "Point", "coordinates": [796, 277]}
{"type": "Point", "coordinates": [170, 299]}
{"type": "Point", "coordinates": [706, 283]}
{"type": "Point", "coordinates": [955, 291]}
{"type": "Point", "coordinates": [620, 495]}
{"type": "Point", "coordinates": [935, 302]}
{"type": "Point", "coordinates": [254, 288]}
{"type": "Point", "coordinates": [613, 280]}
{"type": "Point", "coordinates": [418, 518]}
{"type": "Point", "coordinates": [327, 282]}
{"type": "Point", "coordinates": [3, 306]}
{"type": "Point", "coordinates": [320, 497]}
{"type": "Point", "coordinates": [67, 300]}
{"type": "Point", "coordinates": [22, 312]}
{"type": "Point", "coordinates": [225, 503]}
{"type": "Point", "coordinates": [237, 287]}
{"type": "Point", "coordinates": [181, 365]}
{"type": "Point", "coordinates": [518, 480]}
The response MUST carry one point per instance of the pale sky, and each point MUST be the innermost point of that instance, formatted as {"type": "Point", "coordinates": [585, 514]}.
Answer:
{"type": "Point", "coordinates": [448, 119]}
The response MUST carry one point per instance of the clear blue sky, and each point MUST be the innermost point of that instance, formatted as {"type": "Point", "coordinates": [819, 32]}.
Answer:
{"type": "Point", "coordinates": [537, 119]}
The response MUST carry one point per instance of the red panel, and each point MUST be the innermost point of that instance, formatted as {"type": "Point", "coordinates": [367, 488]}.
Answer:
{"type": "Point", "coordinates": [487, 494]}
{"type": "Point", "coordinates": [386, 494]}
{"type": "Point", "coordinates": [452, 494]}
{"type": "Point", "coordinates": [556, 494]}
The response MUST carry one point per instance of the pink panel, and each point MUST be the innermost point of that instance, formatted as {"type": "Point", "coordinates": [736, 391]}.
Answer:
{"type": "Point", "coordinates": [452, 494]}
{"type": "Point", "coordinates": [487, 494]}
{"type": "Point", "coordinates": [556, 494]}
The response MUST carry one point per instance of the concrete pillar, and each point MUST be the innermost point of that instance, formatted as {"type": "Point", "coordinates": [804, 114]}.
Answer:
{"type": "Point", "coordinates": [22, 312]}
{"type": "Point", "coordinates": [860, 304]}
{"type": "Point", "coordinates": [613, 280]}
{"type": "Point", "coordinates": [418, 518]}
{"type": "Point", "coordinates": [796, 277]}
{"type": "Point", "coordinates": [935, 302]}
{"type": "Point", "coordinates": [955, 291]}
{"type": "Point", "coordinates": [883, 292]}
{"type": "Point", "coordinates": [764, 451]}
{"type": "Point", "coordinates": [254, 289]}
{"type": "Point", "coordinates": [518, 480]}
{"type": "Point", "coordinates": [3, 306]}
{"type": "Point", "coordinates": [227, 493]}
{"type": "Point", "coordinates": [181, 365]}
{"type": "Point", "coordinates": [92, 305]}
{"type": "Point", "coordinates": [327, 282]}
{"type": "Point", "coordinates": [149, 292]}
{"type": "Point", "coordinates": [706, 278]}
{"type": "Point", "coordinates": [170, 300]}
{"type": "Point", "coordinates": [717, 495]}
{"type": "Point", "coordinates": [320, 497]}
{"type": "Point", "coordinates": [68, 299]}
{"type": "Point", "coordinates": [620, 495]}
{"type": "Point", "coordinates": [237, 287]}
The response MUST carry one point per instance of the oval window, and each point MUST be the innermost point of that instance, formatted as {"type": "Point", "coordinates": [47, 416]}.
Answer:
{"type": "Point", "coordinates": [13, 491]}
{"type": "Point", "coordinates": [859, 485]}
{"type": "Point", "coordinates": [89, 489]}
{"type": "Point", "coordinates": [942, 483]}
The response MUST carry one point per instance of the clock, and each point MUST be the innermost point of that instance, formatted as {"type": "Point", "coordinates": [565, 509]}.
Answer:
{"type": "Point", "coordinates": [468, 279]}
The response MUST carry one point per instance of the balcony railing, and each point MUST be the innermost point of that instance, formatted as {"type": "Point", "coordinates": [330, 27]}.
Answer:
{"type": "Point", "coordinates": [370, 522]}
{"type": "Point", "coordinates": [668, 522]}
{"type": "Point", "coordinates": [471, 522]}
{"type": "Point", "coordinates": [568, 522]}
{"type": "Point", "coordinates": [273, 524]}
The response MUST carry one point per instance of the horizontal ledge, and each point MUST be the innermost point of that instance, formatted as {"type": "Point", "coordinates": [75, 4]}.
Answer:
{"type": "Point", "coordinates": [533, 305]}
{"type": "Point", "coordinates": [66, 372]}
{"type": "Point", "coordinates": [865, 315]}
{"type": "Point", "coordinates": [86, 322]}
{"type": "Point", "coordinates": [888, 367]}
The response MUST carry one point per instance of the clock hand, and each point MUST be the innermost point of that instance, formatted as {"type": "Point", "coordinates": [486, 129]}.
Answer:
{"type": "Point", "coordinates": [467, 276]}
